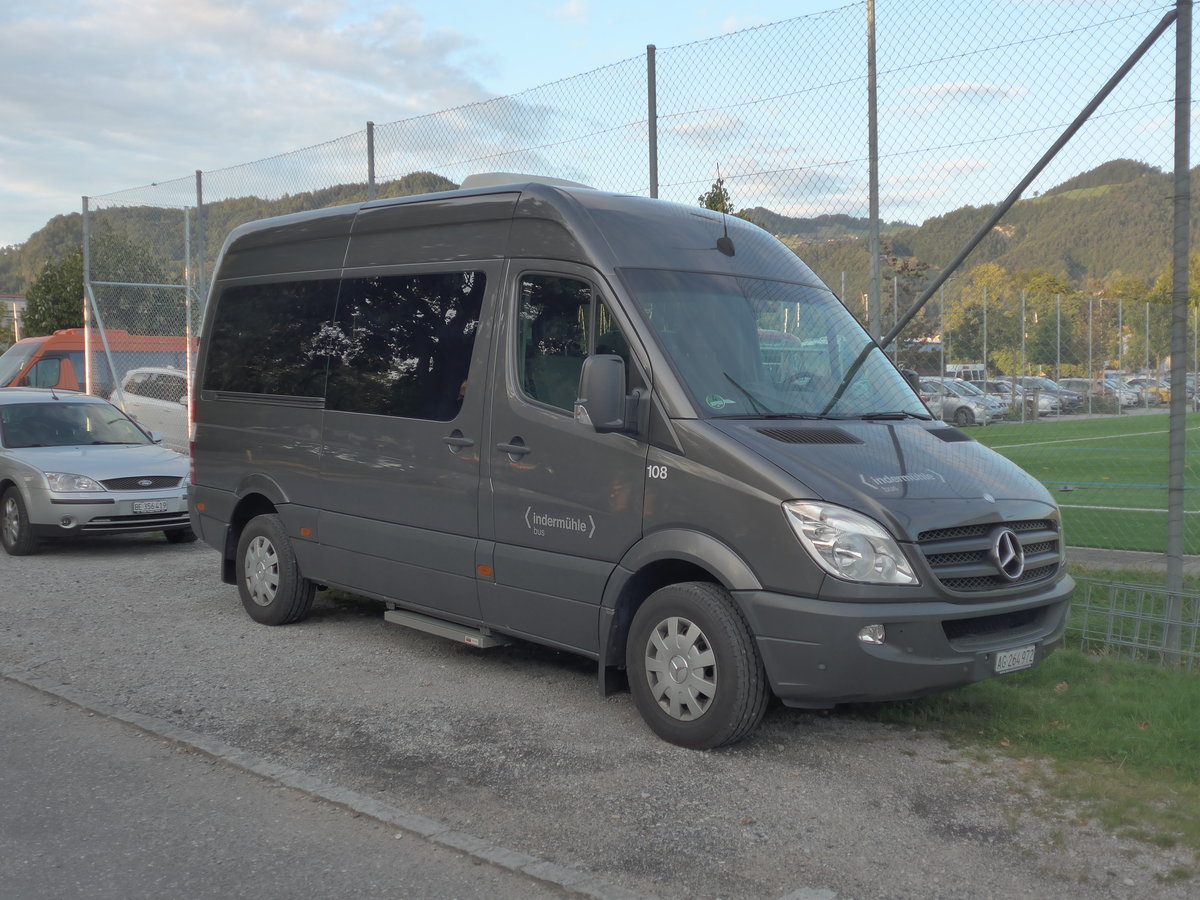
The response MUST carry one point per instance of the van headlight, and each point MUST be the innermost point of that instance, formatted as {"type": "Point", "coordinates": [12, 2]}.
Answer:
{"type": "Point", "coordinates": [66, 483]}
{"type": "Point", "coordinates": [847, 544]}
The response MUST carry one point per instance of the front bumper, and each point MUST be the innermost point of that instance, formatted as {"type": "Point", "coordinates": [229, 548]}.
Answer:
{"type": "Point", "coordinates": [814, 659]}
{"type": "Point", "coordinates": [125, 512]}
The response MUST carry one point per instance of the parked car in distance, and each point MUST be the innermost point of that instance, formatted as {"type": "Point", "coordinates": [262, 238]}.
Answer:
{"type": "Point", "coordinates": [1102, 387]}
{"type": "Point", "coordinates": [73, 465]}
{"type": "Point", "coordinates": [1159, 391]}
{"type": "Point", "coordinates": [1069, 401]}
{"type": "Point", "coordinates": [960, 402]}
{"type": "Point", "coordinates": [1013, 394]}
{"type": "Point", "coordinates": [156, 398]}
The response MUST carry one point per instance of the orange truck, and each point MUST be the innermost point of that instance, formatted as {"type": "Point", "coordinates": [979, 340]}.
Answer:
{"type": "Point", "coordinates": [60, 360]}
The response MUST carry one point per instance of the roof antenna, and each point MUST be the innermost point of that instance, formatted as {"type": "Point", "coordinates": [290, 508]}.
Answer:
{"type": "Point", "coordinates": [724, 243]}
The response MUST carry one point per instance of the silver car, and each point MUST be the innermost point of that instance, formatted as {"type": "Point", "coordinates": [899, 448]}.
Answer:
{"type": "Point", "coordinates": [73, 465]}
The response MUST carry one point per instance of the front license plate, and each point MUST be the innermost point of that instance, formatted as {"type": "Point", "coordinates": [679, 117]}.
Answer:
{"type": "Point", "coordinates": [149, 506]}
{"type": "Point", "coordinates": [1017, 658]}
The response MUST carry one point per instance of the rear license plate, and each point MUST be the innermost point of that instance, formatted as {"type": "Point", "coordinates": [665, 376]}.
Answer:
{"type": "Point", "coordinates": [1017, 658]}
{"type": "Point", "coordinates": [149, 506]}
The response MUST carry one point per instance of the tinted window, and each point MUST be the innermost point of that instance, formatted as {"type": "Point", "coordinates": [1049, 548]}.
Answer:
{"type": "Point", "coordinates": [270, 338]}
{"type": "Point", "coordinates": [401, 344]}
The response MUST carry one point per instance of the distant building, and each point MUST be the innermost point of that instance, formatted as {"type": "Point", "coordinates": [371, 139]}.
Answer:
{"type": "Point", "coordinates": [12, 313]}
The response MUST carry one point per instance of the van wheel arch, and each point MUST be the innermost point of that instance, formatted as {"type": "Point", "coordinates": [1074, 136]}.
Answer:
{"type": "Point", "coordinates": [248, 508]}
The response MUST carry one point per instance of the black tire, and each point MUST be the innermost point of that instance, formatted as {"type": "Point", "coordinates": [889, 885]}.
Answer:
{"type": "Point", "coordinates": [16, 531]}
{"type": "Point", "coordinates": [694, 669]}
{"type": "Point", "coordinates": [963, 416]}
{"type": "Point", "coordinates": [273, 591]}
{"type": "Point", "coordinates": [180, 535]}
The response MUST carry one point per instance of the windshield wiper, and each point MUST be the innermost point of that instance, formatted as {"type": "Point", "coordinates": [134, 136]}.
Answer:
{"type": "Point", "coordinates": [894, 415]}
{"type": "Point", "coordinates": [759, 406]}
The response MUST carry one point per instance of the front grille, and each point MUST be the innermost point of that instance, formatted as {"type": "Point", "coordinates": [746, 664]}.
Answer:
{"type": "Point", "coordinates": [961, 557]}
{"type": "Point", "coordinates": [965, 630]}
{"type": "Point", "coordinates": [147, 522]}
{"type": "Point", "coordinates": [135, 483]}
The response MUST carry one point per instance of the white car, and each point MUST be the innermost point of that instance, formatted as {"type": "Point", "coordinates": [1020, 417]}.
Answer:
{"type": "Point", "coordinates": [156, 398]}
{"type": "Point", "coordinates": [73, 465]}
{"type": "Point", "coordinates": [958, 401]}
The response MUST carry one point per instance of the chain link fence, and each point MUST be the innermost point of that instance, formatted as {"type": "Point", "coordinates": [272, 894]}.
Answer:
{"type": "Point", "coordinates": [1072, 283]}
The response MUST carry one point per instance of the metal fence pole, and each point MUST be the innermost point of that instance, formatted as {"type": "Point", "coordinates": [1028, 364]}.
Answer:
{"type": "Point", "coordinates": [87, 291]}
{"type": "Point", "coordinates": [652, 116]}
{"type": "Point", "coordinates": [371, 190]}
{"type": "Point", "coordinates": [201, 250]}
{"type": "Point", "coordinates": [874, 325]}
{"type": "Point", "coordinates": [1180, 290]}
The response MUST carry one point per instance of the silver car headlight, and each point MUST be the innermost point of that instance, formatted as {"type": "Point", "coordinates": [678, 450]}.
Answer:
{"type": "Point", "coordinates": [847, 544]}
{"type": "Point", "coordinates": [66, 483]}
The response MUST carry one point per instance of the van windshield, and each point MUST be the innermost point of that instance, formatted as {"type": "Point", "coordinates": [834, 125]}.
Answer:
{"type": "Point", "coordinates": [749, 347]}
{"type": "Point", "coordinates": [14, 359]}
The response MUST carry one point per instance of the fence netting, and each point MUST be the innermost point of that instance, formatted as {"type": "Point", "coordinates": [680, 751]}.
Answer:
{"type": "Point", "coordinates": [1069, 293]}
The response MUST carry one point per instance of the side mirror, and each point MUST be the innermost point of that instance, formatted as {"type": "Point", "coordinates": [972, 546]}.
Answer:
{"type": "Point", "coordinates": [913, 378]}
{"type": "Point", "coordinates": [602, 402]}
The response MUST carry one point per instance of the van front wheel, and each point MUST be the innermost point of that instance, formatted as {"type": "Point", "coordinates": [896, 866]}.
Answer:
{"type": "Point", "coordinates": [273, 592]}
{"type": "Point", "coordinates": [694, 669]}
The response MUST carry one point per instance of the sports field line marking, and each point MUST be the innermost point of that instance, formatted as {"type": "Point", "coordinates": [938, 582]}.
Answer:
{"type": "Point", "coordinates": [1100, 437]}
{"type": "Point", "coordinates": [1186, 512]}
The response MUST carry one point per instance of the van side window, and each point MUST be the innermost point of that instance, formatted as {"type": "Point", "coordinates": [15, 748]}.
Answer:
{"type": "Point", "coordinates": [44, 373]}
{"type": "Point", "coordinates": [401, 344]}
{"type": "Point", "coordinates": [553, 337]}
{"type": "Point", "coordinates": [267, 338]}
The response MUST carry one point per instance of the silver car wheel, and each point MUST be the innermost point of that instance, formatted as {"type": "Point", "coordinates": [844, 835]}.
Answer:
{"type": "Point", "coordinates": [12, 521]}
{"type": "Point", "coordinates": [681, 669]}
{"type": "Point", "coordinates": [262, 571]}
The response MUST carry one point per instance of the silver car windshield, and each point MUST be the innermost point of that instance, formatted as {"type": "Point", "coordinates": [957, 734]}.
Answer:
{"type": "Point", "coordinates": [63, 423]}
{"type": "Point", "coordinates": [749, 347]}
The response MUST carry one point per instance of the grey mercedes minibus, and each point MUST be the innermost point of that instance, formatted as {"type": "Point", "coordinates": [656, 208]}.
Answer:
{"type": "Point", "coordinates": [635, 430]}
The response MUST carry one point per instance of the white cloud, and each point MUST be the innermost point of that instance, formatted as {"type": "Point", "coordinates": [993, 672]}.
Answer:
{"type": "Point", "coordinates": [100, 95]}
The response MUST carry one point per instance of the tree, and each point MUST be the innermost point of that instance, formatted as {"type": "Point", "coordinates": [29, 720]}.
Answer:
{"type": "Point", "coordinates": [717, 198]}
{"type": "Point", "coordinates": [55, 298]}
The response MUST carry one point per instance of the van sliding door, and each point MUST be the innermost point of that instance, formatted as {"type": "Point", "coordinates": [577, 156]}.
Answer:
{"type": "Point", "coordinates": [403, 433]}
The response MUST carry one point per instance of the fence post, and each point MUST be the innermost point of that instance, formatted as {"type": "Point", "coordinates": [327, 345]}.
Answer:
{"type": "Point", "coordinates": [201, 250]}
{"type": "Point", "coordinates": [1180, 291]}
{"type": "Point", "coordinates": [874, 323]}
{"type": "Point", "coordinates": [371, 161]}
{"type": "Point", "coordinates": [87, 292]}
{"type": "Point", "coordinates": [652, 115]}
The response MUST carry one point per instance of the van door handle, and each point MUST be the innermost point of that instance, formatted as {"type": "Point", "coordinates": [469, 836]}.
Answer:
{"type": "Point", "coordinates": [515, 448]}
{"type": "Point", "coordinates": [455, 441]}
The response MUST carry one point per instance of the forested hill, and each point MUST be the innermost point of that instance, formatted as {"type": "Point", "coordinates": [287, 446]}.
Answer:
{"type": "Point", "coordinates": [147, 225]}
{"type": "Point", "coordinates": [1116, 217]}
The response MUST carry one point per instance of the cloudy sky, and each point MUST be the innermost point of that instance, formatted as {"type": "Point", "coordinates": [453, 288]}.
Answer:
{"type": "Point", "coordinates": [97, 96]}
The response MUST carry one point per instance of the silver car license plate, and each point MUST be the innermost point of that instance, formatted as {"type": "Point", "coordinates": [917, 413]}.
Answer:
{"type": "Point", "coordinates": [1017, 658]}
{"type": "Point", "coordinates": [149, 506]}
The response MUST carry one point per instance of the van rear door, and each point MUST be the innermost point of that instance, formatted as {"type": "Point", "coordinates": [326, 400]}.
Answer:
{"type": "Point", "coordinates": [566, 501]}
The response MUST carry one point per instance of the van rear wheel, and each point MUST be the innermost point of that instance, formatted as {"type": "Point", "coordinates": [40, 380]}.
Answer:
{"type": "Point", "coordinates": [273, 591]}
{"type": "Point", "coordinates": [694, 669]}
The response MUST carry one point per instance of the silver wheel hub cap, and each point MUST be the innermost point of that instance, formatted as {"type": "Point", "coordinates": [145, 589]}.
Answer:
{"type": "Point", "coordinates": [681, 668]}
{"type": "Point", "coordinates": [262, 571]}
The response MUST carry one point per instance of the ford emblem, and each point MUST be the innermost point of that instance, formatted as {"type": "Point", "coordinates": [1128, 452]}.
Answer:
{"type": "Point", "coordinates": [145, 482]}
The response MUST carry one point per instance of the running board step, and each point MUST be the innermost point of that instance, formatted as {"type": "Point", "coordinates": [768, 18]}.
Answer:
{"type": "Point", "coordinates": [476, 637]}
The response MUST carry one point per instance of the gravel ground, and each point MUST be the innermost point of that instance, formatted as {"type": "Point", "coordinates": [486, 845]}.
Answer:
{"type": "Point", "coordinates": [516, 746]}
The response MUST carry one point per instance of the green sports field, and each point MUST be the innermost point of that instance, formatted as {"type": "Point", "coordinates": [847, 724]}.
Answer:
{"type": "Point", "coordinates": [1109, 475]}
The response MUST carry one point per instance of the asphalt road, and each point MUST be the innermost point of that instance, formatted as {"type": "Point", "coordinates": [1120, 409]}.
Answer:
{"type": "Point", "coordinates": [94, 808]}
{"type": "Point", "coordinates": [509, 755]}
